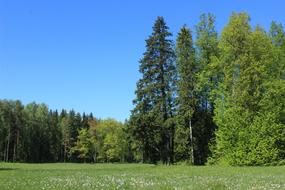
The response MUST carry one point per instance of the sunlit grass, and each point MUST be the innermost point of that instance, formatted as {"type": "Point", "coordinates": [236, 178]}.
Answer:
{"type": "Point", "coordinates": [137, 176]}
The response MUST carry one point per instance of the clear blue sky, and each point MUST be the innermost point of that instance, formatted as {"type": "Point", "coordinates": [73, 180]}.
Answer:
{"type": "Point", "coordinates": [84, 54]}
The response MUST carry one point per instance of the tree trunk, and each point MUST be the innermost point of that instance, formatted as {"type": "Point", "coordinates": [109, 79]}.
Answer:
{"type": "Point", "coordinates": [61, 153]}
{"type": "Point", "coordinates": [168, 151]}
{"type": "Point", "coordinates": [14, 151]}
{"type": "Point", "coordinates": [64, 153]}
{"type": "Point", "coordinates": [16, 147]}
{"type": "Point", "coordinates": [94, 157]}
{"type": "Point", "coordinates": [4, 155]}
{"type": "Point", "coordinates": [172, 145]}
{"type": "Point", "coordinates": [191, 141]}
{"type": "Point", "coordinates": [8, 146]}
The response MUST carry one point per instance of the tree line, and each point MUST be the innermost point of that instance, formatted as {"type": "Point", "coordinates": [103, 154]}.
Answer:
{"type": "Point", "coordinates": [213, 98]}
{"type": "Point", "coordinates": [34, 133]}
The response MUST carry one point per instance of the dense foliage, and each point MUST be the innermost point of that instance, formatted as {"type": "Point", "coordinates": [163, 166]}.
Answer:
{"type": "Point", "coordinates": [228, 105]}
{"type": "Point", "coordinates": [216, 99]}
{"type": "Point", "coordinates": [33, 133]}
{"type": "Point", "coordinates": [250, 100]}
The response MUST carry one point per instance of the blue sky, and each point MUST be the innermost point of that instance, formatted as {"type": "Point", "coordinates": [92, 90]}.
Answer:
{"type": "Point", "coordinates": [84, 54]}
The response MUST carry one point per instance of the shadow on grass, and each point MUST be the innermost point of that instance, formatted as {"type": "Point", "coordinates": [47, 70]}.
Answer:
{"type": "Point", "coordinates": [7, 169]}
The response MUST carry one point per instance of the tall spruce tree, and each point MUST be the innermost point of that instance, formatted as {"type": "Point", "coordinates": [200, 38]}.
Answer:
{"type": "Point", "coordinates": [187, 97]}
{"type": "Point", "coordinates": [153, 112]}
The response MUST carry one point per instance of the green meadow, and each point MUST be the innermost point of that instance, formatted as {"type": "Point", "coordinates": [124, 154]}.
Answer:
{"type": "Point", "coordinates": [63, 176]}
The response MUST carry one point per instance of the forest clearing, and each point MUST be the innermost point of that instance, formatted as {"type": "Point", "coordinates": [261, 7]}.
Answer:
{"type": "Point", "coordinates": [138, 95]}
{"type": "Point", "coordinates": [69, 176]}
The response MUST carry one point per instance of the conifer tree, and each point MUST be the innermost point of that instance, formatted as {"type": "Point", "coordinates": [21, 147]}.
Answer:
{"type": "Point", "coordinates": [153, 110]}
{"type": "Point", "coordinates": [187, 98]}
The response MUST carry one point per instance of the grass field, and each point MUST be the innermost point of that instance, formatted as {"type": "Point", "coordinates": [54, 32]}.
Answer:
{"type": "Point", "coordinates": [137, 176]}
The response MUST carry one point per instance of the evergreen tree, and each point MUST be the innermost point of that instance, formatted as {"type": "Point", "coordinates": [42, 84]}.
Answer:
{"type": "Point", "coordinates": [74, 125]}
{"type": "Point", "coordinates": [187, 97]}
{"type": "Point", "coordinates": [153, 110]}
{"type": "Point", "coordinates": [19, 125]}
{"type": "Point", "coordinates": [55, 135]}
{"type": "Point", "coordinates": [84, 123]}
{"type": "Point", "coordinates": [65, 136]}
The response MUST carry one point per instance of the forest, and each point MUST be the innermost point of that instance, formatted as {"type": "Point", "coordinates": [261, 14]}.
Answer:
{"type": "Point", "coordinates": [203, 98]}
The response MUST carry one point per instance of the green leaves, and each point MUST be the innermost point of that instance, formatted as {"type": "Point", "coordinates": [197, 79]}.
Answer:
{"type": "Point", "coordinates": [249, 104]}
{"type": "Point", "coordinates": [108, 143]}
{"type": "Point", "coordinates": [83, 144]}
